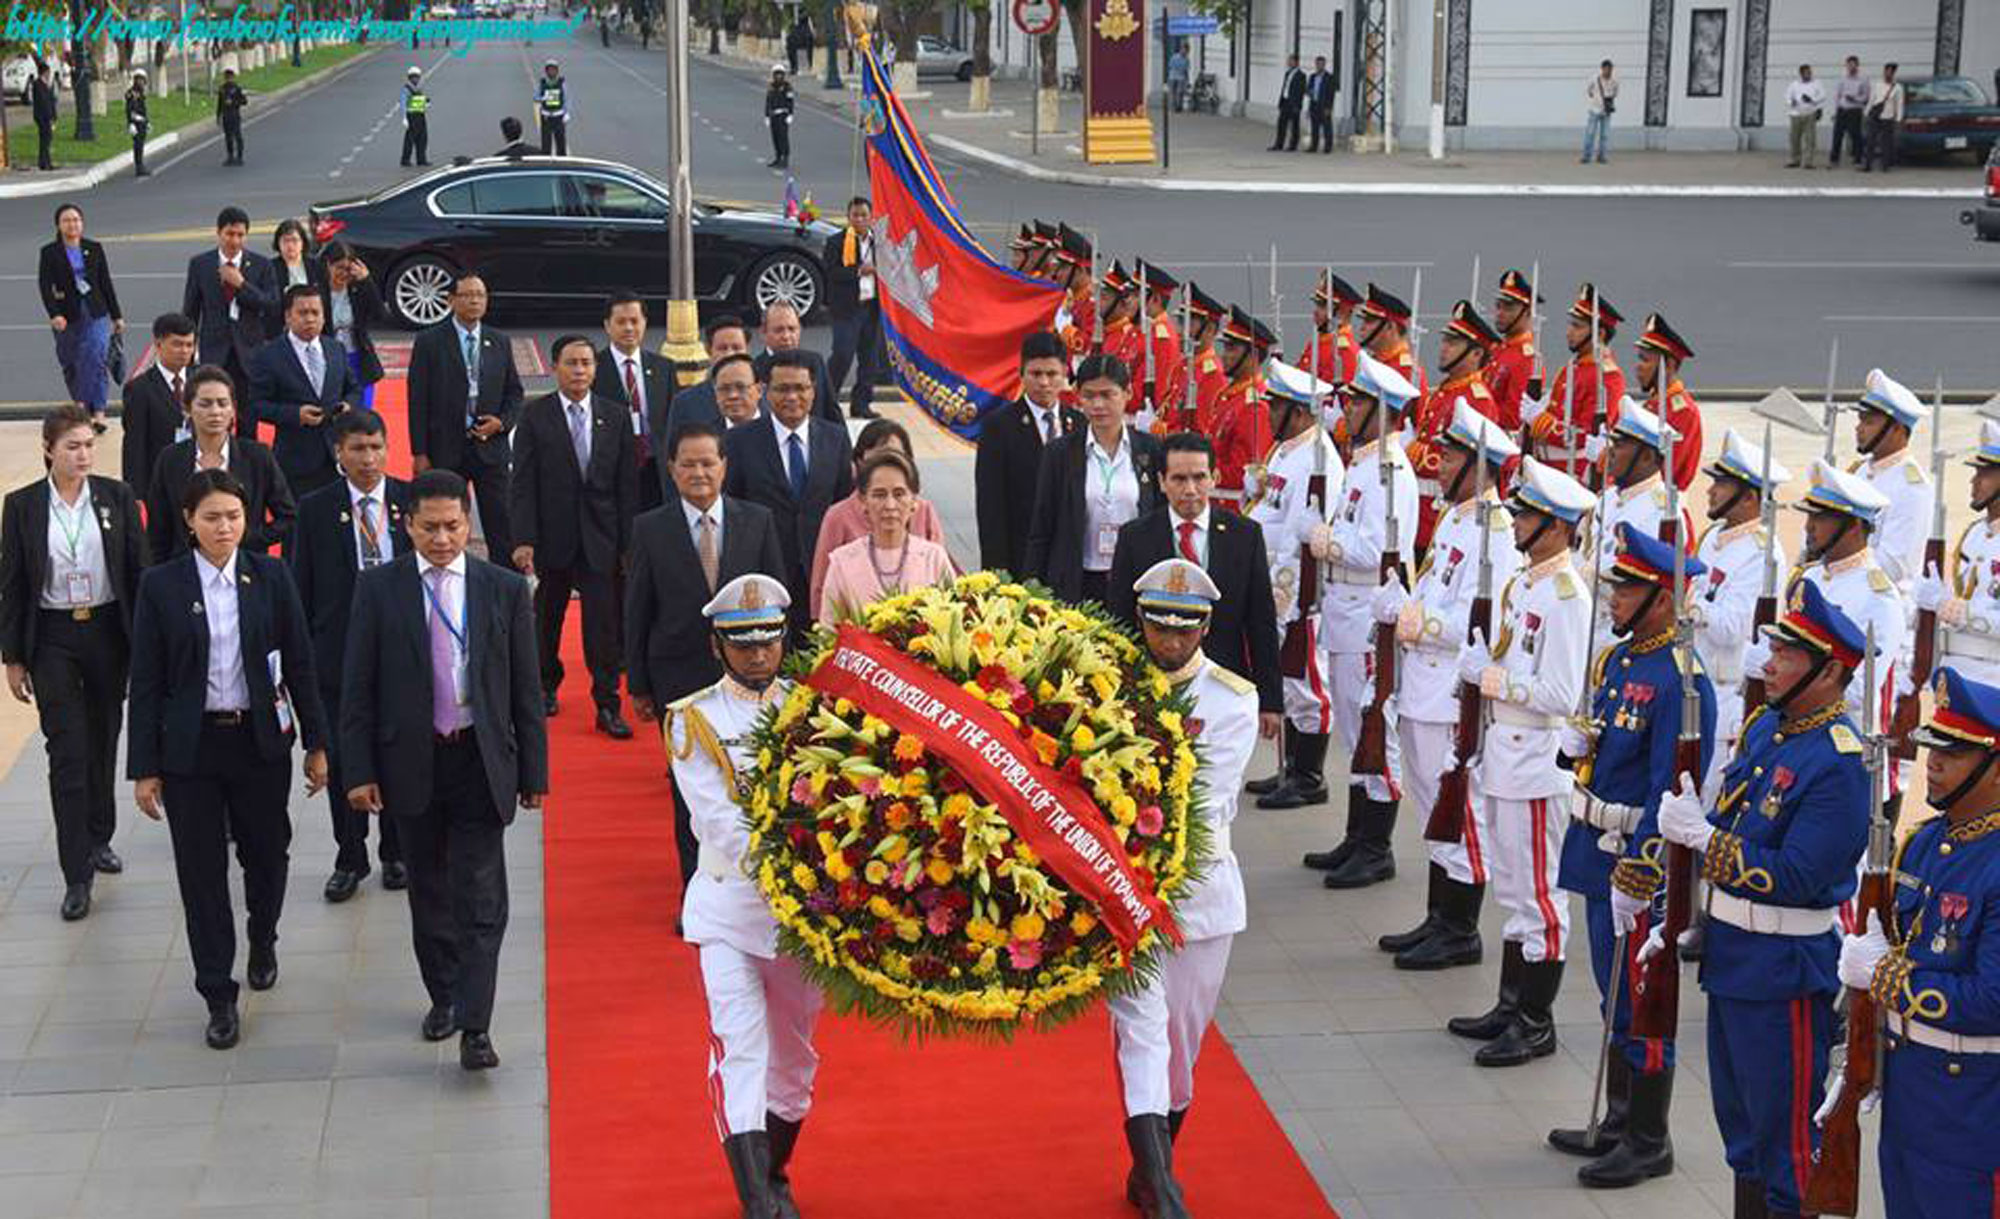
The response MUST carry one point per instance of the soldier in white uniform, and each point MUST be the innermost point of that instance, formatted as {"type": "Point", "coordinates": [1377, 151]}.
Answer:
{"type": "Point", "coordinates": [1159, 1029]}
{"type": "Point", "coordinates": [1886, 415]}
{"type": "Point", "coordinates": [1735, 549]}
{"type": "Point", "coordinates": [1532, 680]}
{"type": "Point", "coordinates": [761, 1008]}
{"type": "Point", "coordinates": [1351, 547]}
{"type": "Point", "coordinates": [1290, 493]}
{"type": "Point", "coordinates": [1635, 494]}
{"type": "Point", "coordinates": [1968, 608]}
{"type": "Point", "coordinates": [1431, 621]}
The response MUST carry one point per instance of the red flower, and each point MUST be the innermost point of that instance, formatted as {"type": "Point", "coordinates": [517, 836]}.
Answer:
{"type": "Point", "coordinates": [801, 836]}
{"type": "Point", "coordinates": [853, 894]}
{"type": "Point", "coordinates": [1193, 725]}
{"type": "Point", "coordinates": [993, 677]}
{"type": "Point", "coordinates": [1022, 704]}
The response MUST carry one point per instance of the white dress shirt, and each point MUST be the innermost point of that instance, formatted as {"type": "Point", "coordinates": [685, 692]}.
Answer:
{"type": "Point", "coordinates": [228, 690]}
{"type": "Point", "coordinates": [636, 385]}
{"type": "Point", "coordinates": [784, 435]}
{"type": "Point", "coordinates": [306, 353]}
{"type": "Point", "coordinates": [694, 517]}
{"type": "Point", "coordinates": [379, 505]}
{"type": "Point", "coordinates": [1110, 498]}
{"type": "Point", "coordinates": [451, 599]}
{"type": "Point", "coordinates": [1048, 422]}
{"type": "Point", "coordinates": [1198, 539]}
{"type": "Point", "coordinates": [181, 429]}
{"type": "Point", "coordinates": [237, 262]}
{"type": "Point", "coordinates": [225, 456]}
{"type": "Point", "coordinates": [572, 411]}
{"type": "Point", "coordinates": [78, 574]}
{"type": "Point", "coordinates": [1805, 97]}
{"type": "Point", "coordinates": [459, 335]}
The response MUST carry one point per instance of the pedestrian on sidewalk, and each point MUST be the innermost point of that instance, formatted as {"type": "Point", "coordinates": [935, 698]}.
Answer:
{"type": "Point", "coordinates": [1804, 100]}
{"type": "Point", "coordinates": [82, 308]}
{"type": "Point", "coordinates": [416, 117]}
{"type": "Point", "coordinates": [779, 103]}
{"type": "Point", "coordinates": [1601, 97]}
{"type": "Point", "coordinates": [46, 108]}
{"type": "Point", "coordinates": [799, 41]}
{"type": "Point", "coordinates": [1291, 98]}
{"type": "Point", "coordinates": [136, 122]}
{"type": "Point", "coordinates": [1885, 119]}
{"type": "Point", "coordinates": [1850, 98]}
{"type": "Point", "coordinates": [1319, 105]}
{"type": "Point", "coordinates": [229, 102]}
{"type": "Point", "coordinates": [1177, 75]}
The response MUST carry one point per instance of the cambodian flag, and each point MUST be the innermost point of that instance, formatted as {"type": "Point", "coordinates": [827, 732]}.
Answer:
{"type": "Point", "coordinates": [953, 315]}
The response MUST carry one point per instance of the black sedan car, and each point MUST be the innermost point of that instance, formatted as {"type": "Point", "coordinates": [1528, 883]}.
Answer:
{"type": "Point", "coordinates": [556, 231]}
{"type": "Point", "coordinates": [1947, 114]}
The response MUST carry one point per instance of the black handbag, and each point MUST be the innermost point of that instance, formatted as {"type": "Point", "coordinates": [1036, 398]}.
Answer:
{"type": "Point", "coordinates": [114, 359]}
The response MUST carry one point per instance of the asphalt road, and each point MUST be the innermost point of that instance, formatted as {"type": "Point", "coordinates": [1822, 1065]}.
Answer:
{"type": "Point", "coordinates": [1759, 287]}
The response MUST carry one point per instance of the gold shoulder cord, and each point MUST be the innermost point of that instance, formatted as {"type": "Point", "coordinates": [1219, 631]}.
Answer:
{"type": "Point", "coordinates": [700, 733]}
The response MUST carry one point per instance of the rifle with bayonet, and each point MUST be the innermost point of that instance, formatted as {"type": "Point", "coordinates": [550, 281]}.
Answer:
{"type": "Point", "coordinates": [1371, 750]}
{"type": "Point", "coordinates": [1142, 321]}
{"type": "Point", "coordinates": [1447, 816]}
{"type": "Point", "coordinates": [1766, 612]}
{"type": "Point", "coordinates": [1538, 364]}
{"type": "Point", "coordinates": [1293, 652]}
{"type": "Point", "coordinates": [1832, 421]}
{"type": "Point", "coordinates": [1924, 648]}
{"type": "Point", "coordinates": [1833, 1186]}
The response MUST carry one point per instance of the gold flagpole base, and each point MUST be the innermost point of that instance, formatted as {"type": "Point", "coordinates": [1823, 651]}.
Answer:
{"type": "Point", "coordinates": [1109, 141]}
{"type": "Point", "coordinates": [683, 343]}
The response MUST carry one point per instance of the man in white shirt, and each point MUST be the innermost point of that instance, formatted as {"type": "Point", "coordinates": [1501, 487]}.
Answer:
{"type": "Point", "coordinates": [1885, 120]}
{"type": "Point", "coordinates": [1600, 103]}
{"type": "Point", "coordinates": [1850, 98]}
{"type": "Point", "coordinates": [643, 381]}
{"type": "Point", "coordinates": [1804, 99]}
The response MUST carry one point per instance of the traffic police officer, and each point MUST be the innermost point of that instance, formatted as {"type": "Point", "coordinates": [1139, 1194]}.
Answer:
{"type": "Point", "coordinates": [136, 122]}
{"type": "Point", "coordinates": [1431, 622]}
{"type": "Point", "coordinates": [1780, 843]}
{"type": "Point", "coordinates": [1611, 854]}
{"type": "Point", "coordinates": [229, 102]}
{"type": "Point", "coordinates": [1158, 1029]}
{"type": "Point", "coordinates": [761, 1008]}
{"type": "Point", "coordinates": [1239, 424]}
{"type": "Point", "coordinates": [416, 118]}
{"type": "Point", "coordinates": [552, 107]}
{"type": "Point", "coordinates": [1634, 493]}
{"type": "Point", "coordinates": [1329, 355]}
{"type": "Point", "coordinates": [1735, 549]}
{"type": "Point", "coordinates": [1290, 493]}
{"type": "Point", "coordinates": [1968, 607]}
{"type": "Point", "coordinates": [1661, 353]}
{"type": "Point", "coordinates": [1934, 974]}
{"type": "Point", "coordinates": [1462, 352]}
{"type": "Point", "coordinates": [1885, 416]}
{"type": "Point", "coordinates": [1349, 549]}
{"type": "Point", "coordinates": [1531, 680]}
{"type": "Point", "coordinates": [1584, 389]}
{"type": "Point", "coordinates": [1513, 364]}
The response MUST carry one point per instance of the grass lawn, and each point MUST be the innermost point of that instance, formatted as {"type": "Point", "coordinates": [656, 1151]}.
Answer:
{"type": "Point", "coordinates": [163, 106]}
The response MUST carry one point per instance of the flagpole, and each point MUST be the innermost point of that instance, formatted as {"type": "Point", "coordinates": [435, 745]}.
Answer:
{"type": "Point", "coordinates": [683, 342]}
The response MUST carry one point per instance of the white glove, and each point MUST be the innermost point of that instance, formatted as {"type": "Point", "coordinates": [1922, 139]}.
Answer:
{"type": "Point", "coordinates": [1593, 448]}
{"type": "Point", "coordinates": [1474, 658]}
{"type": "Point", "coordinates": [1625, 912]}
{"type": "Point", "coordinates": [1656, 942]}
{"type": "Point", "coordinates": [1144, 419]}
{"type": "Point", "coordinates": [1681, 818]}
{"type": "Point", "coordinates": [1319, 539]}
{"type": "Point", "coordinates": [1839, 1089]}
{"type": "Point", "coordinates": [1905, 685]}
{"type": "Point", "coordinates": [1574, 741]}
{"type": "Point", "coordinates": [1860, 954]}
{"type": "Point", "coordinates": [1755, 654]}
{"type": "Point", "coordinates": [1929, 590]}
{"type": "Point", "coordinates": [1388, 601]}
{"type": "Point", "coordinates": [1532, 408]}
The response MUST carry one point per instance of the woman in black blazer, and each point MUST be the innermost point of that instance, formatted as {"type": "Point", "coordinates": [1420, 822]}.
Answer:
{"type": "Point", "coordinates": [82, 305]}
{"type": "Point", "coordinates": [353, 309]}
{"type": "Point", "coordinates": [71, 551]}
{"type": "Point", "coordinates": [211, 407]}
{"type": "Point", "coordinates": [1091, 482]}
{"type": "Point", "coordinates": [223, 681]}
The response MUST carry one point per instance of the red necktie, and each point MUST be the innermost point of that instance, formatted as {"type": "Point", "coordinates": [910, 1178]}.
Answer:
{"type": "Point", "coordinates": [1187, 542]}
{"type": "Point", "coordinates": [638, 409]}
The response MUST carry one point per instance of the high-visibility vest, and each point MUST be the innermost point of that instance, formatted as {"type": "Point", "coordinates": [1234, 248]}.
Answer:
{"type": "Point", "coordinates": [415, 101]}
{"type": "Point", "coordinates": [552, 97]}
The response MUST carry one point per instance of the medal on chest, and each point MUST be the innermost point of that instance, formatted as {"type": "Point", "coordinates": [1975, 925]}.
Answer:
{"type": "Point", "coordinates": [1774, 799]}
{"type": "Point", "coordinates": [1952, 909]}
{"type": "Point", "coordinates": [1451, 564]}
{"type": "Point", "coordinates": [1715, 579]}
{"type": "Point", "coordinates": [1633, 698]}
{"type": "Point", "coordinates": [1993, 579]}
{"type": "Point", "coordinates": [1531, 626]}
{"type": "Point", "coordinates": [1353, 507]}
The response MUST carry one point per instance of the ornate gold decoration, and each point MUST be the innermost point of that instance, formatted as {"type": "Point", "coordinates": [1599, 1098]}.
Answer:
{"type": "Point", "coordinates": [1117, 23]}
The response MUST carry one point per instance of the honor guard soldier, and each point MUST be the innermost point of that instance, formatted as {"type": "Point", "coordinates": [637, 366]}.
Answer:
{"type": "Point", "coordinates": [1431, 622]}
{"type": "Point", "coordinates": [1349, 548]}
{"type": "Point", "coordinates": [1023, 248]}
{"type": "Point", "coordinates": [1611, 853]}
{"type": "Point", "coordinates": [1514, 362]}
{"type": "Point", "coordinates": [1330, 354]}
{"type": "Point", "coordinates": [1584, 389]}
{"type": "Point", "coordinates": [1780, 844]}
{"type": "Point", "coordinates": [1968, 607]}
{"type": "Point", "coordinates": [1462, 352]}
{"type": "Point", "coordinates": [1291, 493]}
{"type": "Point", "coordinates": [1385, 334]}
{"type": "Point", "coordinates": [1239, 424]}
{"type": "Point", "coordinates": [1166, 387]}
{"type": "Point", "coordinates": [1076, 320]}
{"type": "Point", "coordinates": [1531, 680]}
{"type": "Point", "coordinates": [1736, 550]}
{"type": "Point", "coordinates": [416, 118]}
{"type": "Point", "coordinates": [1661, 353]}
{"type": "Point", "coordinates": [1634, 494]}
{"type": "Point", "coordinates": [1934, 973]}
{"type": "Point", "coordinates": [1206, 315]}
{"type": "Point", "coordinates": [761, 1008]}
{"type": "Point", "coordinates": [1885, 416]}
{"type": "Point", "coordinates": [1158, 1029]}
{"type": "Point", "coordinates": [552, 107]}
{"type": "Point", "coordinates": [1047, 242]}
{"type": "Point", "coordinates": [1118, 310]}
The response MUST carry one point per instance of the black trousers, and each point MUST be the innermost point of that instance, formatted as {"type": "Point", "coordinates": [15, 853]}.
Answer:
{"type": "Point", "coordinates": [350, 826]}
{"type": "Point", "coordinates": [417, 139]}
{"type": "Point", "coordinates": [1322, 129]}
{"type": "Point", "coordinates": [857, 339]}
{"type": "Point", "coordinates": [232, 137]}
{"type": "Point", "coordinates": [601, 594]}
{"type": "Point", "coordinates": [1847, 130]}
{"type": "Point", "coordinates": [458, 884]}
{"type": "Point", "coordinates": [79, 671]}
{"type": "Point", "coordinates": [1288, 129]}
{"type": "Point", "coordinates": [246, 419]}
{"type": "Point", "coordinates": [139, 152]}
{"type": "Point", "coordinates": [652, 480]}
{"type": "Point", "coordinates": [1882, 144]}
{"type": "Point", "coordinates": [781, 137]}
{"type": "Point", "coordinates": [555, 137]}
{"type": "Point", "coordinates": [490, 487]}
{"type": "Point", "coordinates": [45, 134]}
{"type": "Point", "coordinates": [230, 794]}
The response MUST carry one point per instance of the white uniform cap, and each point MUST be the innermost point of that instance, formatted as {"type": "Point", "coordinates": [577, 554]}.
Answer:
{"type": "Point", "coordinates": [1835, 490]}
{"type": "Point", "coordinates": [1641, 425]}
{"type": "Point", "coordinates": [1282, 380]}
{"type": "Point", "coordinates": [1381, 382]}
{"type": "Point", "coordinates": [1744, 461]}
{"type": "Point", "coordinates": [749, 609]}
{"type": "Point", "coordinates": [1551, 492]}
{"type": "Point", "coordinates": [1176, 593]}
{"type": "Point", "coordinates": [1988, 452]}
{"type": "Point", "coordinates": [1476, 433]}
{"type": "Point", "coordinates": [1888, 395]}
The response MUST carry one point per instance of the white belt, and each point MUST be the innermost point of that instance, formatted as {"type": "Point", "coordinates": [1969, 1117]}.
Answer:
{"type": "Point", "coordinates": [1938, 1039]}
{"type": "Point", "coordinates": [1770, 920]}
{"type": "Point", "coordinates": [1609, 817]}
{"type": "Point", "coordinates": [1514, 715]}
{"type": "Point", "coordinates": [1360, 577]}
{"type": "Point", "coordinates": [1971, 645]}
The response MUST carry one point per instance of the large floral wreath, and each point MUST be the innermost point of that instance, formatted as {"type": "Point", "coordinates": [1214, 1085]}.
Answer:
{"type": "Point", "coordinates": [911, 897]}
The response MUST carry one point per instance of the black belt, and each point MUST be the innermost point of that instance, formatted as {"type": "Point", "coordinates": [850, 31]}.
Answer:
{"type": "Point", "coordinates": [79, 613]}
{"type": "Point", "coordinates": [457, 736]}
{"type": "Point", "coordinates": [225, 719]}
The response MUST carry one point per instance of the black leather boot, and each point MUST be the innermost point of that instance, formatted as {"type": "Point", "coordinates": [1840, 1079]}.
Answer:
{"type": "Point", "coordinates": [1617, 1093]}
{"type": "Point", "coordinates": [1750, 1200]}
{"type": "Point", "coordinates": [1496, 1019]}
{"type": "Point", "coordinates": [1647, 1150]}
{"type": "Point", "coordinates": [1370, 863]}
{"type": "Point", "coordinates": [1174, 1122]}
{"type": "Point", "coordinates": [1403, 941]}
{"type": "Point", "coordinates": [1456, 940]}
{"type": "Point", "coordinates": [1532, 1034]}
{"type": "Point", "coordinates": [1264, 787]}
{"type": "Point", "coordinates": [749, 1157]}
{"type": "Point", "coordinates": [784, 1137]}
{"type": "Point", "coordinates": [1305, 781]}
{"type": "Point", "coordinates": [1327, 861]}
{"type": "Point", "coordinates": [1151, 1140]}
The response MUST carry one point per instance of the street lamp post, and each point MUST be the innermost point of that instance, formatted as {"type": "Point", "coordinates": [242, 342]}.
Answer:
{"type": "Point", "coordinates": [82, 68]}
{"type": "Point", "coordinates": [834, 29]}
{"type": "Point", "coordinates": [683, 344]}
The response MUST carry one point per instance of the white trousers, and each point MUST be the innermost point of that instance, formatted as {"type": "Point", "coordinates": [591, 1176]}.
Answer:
{"type": "Point", "coordinates": [1523, 850]}
{"type": "Point", "coordinates": [1308, 705]}
{"type": "Point", "coordinates": [1353, 688]}
{"type": "Point", "coordinates": [760, 1024]}
{"type": "Point", "coordinates": [1157, 1031]}
{"type": "Point", "coordinates": [1426, 750]}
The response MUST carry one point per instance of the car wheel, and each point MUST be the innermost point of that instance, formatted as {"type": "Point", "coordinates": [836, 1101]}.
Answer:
{"type": "Point", "coordinates": [965, 71]}
{"type": "Point", "coordinates": [420, 291]}
{"type": "Point", "coordinates": [786, 278]}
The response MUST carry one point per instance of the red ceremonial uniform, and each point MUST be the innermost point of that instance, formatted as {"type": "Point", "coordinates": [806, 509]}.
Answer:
{"type": "Point", "coordinates": [1081, 330]}
{"type": "Point", "coordinates": [1210, 383]}
{"type": "Point", "coordinates": [1429, 418]}
{"type": "Point", "coordinates": [1683, 414]}
{"type": "Point", "coordinates": [1571, 419]}
{"type": "Point", "coordinates": [1331, 355]}
{"type": "Point", "coordinates": [1403, 360]}
{"type": "Point", "coordinates": [1507, 373]}
{"type": "Point", "coordinates": [1242, 434]}
{"type": "Point", "coordinates": [1169, 372]}
{"type": "Point", "coordinates": [1124, 340]}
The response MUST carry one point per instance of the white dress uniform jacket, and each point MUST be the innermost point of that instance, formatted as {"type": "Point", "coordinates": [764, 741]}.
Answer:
{"type": "Point", "coordinates": [1280, 505]}
{"type": "Point", "coordinates": [723, 905]}
{"type": "Point", "coordinates": [1973, 646]}
{"type": "Point", "coordinates": [1359, 536]}
{"type": "Point", "coordinates": [1544, 621]}
{"type": "Point", "coordinates": [1643, 506]}
{"type": "Point", "coordinates": [1859, 585]}
{"type": "Point", "coordinates": [1900, 533]}
{"type": "Point", "coordinates": [1445, 588]}
{"type": "Point", "coordinates": [1226, 704]}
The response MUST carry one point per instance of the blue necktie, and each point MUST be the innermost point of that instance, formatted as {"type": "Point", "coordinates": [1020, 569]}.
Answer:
{"type": "Point", "coordinates": [796, 456]}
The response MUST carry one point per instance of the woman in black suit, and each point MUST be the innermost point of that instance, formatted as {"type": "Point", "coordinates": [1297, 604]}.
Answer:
{"type": "Point", "coordinates": [71, 551]}
{"type": "Point", "coordinates": [1092, 481]}
{"type": "Point", "coordinates": [222, 683]}
{"type": "Point", "coordinates": [82, 305]}
{"type": "Point", "coordinates": [288, 255]}
{"type": "Point", "coordinates": [353, 309]}
{"type": "Point", "coordinates": [211, 408]}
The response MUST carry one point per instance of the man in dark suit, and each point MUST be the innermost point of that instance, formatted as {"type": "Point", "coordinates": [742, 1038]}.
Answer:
{"type": "Point", "coordinates": [232, 296]}
{"type": "Point", "coordinates": [441, 725]}
{"type": "Point", "coordinates": [1291, 99]}
{"type": "Point", "coordinates": [1319, 105]}
{"type": "Point", "coordinates": [854, 307]}
{"type": "Point", "coordinates": [1009, 457]}
{"type": "Point", "coordinates": [726, 336]}
{"type": "Point", "coordinates": [782, 334]}
{"type": "Point", "coordinates": [681, 554]}
{"type": "Point", "coordinates": [42, 93]}
{"type": "Point", "coordinates": [576, 490]}
{"type": "Point", "coordinates": [464, 399]}
{"type": "Point", "coordinates": [300, 382]}
{"type": "Point", "coordinates": [155, 408]}
{"type": "Point", "coordinates": [1243, 629]}
{"type": "Point", "coordinates": [642, 382]}
{"type": "Point", "coordinates": [351, 526]}
{"type": "Point", "coordinates": [796, 465]}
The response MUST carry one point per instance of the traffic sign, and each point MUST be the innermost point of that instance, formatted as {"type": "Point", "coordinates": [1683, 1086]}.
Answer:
{"type": "Point", "coordinates": [1192, 25]}
{"type": "Point", "coordinates": [1036, 17]}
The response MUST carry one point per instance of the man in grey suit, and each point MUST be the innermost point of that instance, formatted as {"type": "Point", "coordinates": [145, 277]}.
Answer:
{"type": "Point", "coordinates": [441, 727]}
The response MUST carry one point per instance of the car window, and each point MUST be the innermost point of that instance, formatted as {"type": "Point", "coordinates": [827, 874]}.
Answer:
{"type": "Point", "coordinates": [1957, 92]}
{"type": "Point", "coordinates": [455, 200]}
{"type": "Point", "coordinates": [600, 198]}
{"type": "Point", "coordinates": [515, 195]}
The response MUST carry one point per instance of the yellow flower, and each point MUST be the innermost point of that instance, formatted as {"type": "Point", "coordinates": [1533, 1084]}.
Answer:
{"type": "Point", "coordinates": [909, 930]}
{"type": "Point", "coordinates": [1082, 739]}
{"type": "Point", "coordinates": [939, 871]}
{"type": "Point", "coordinates": [876, 872]}
{"type": "Point", "coordinates": [1171, 721]}
{"type": "Point", "coordinates": [836, 867]}
{"type": "Point", "coordinates": [1105, 684]}
{"type": "Point", "coordinates": [1082, 923]}
{"type": "Point", "coordinates": [988, 962]}
{"type": "Point", "coordinates": [897, 816]}
{"type": "Point", "coordinates": [898, 846]}
{"type": "Point", "coordinates": [908, 748]}
{"type": "Point", "coordinates": [1124, 809]}
{"type": "Point", "coordinates": [880, 907]}
{"type": "Point", "coordinates": [804, 878]}
{"type": "Point", "coordinates": [1161, 688]}
{"type": "Point", "coordinates": [1028, 927]}
{"type": "Point", "coordinates": [982, 931]}
{"type": "Point", "coordinates": [1046, 747]}
{"type": "Point", "coordinates": [843, 708]}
